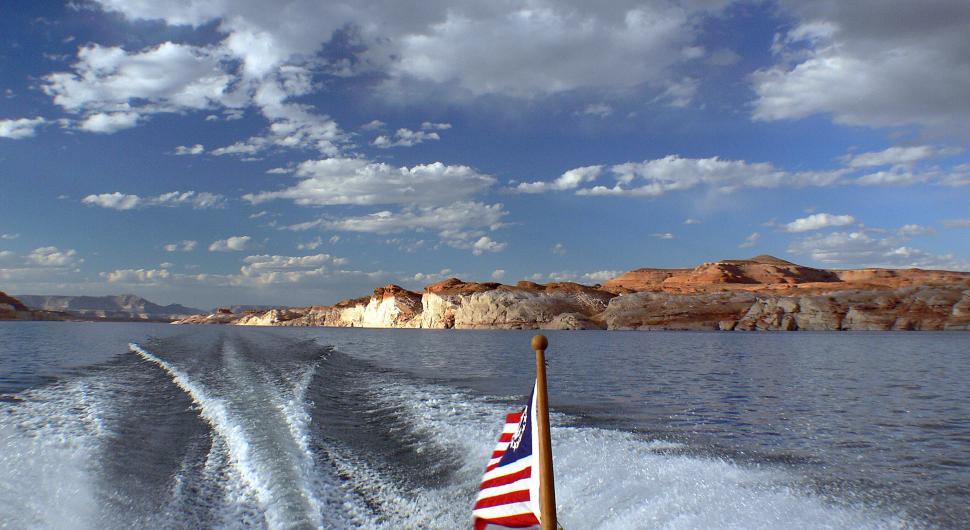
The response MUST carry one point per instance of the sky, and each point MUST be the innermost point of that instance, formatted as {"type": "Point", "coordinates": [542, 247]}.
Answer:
{"type": "Point", "coordinates": [215, 152]}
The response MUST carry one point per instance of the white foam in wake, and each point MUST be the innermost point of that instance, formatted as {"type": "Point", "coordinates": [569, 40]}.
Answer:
{"type": "Point", "coordinates": [605, 479]}
{"type": "Point", "coordinates": [48, 450]}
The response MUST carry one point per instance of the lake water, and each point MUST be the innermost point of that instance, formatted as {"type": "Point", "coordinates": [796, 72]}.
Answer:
{"type": "Point", "coordinates": [156, 426]}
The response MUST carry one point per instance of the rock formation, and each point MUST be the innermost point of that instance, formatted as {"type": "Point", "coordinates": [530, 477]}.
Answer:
{"type": "Point", "coordinates": [761, 293]}
{"type": "Point", "coordinates": [121, 307]}
{"type": "Point", "coordinates": [13, 309]}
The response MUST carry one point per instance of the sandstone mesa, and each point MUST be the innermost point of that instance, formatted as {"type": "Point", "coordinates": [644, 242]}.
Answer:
{"type": "Point", "coordinates": [761, 293]}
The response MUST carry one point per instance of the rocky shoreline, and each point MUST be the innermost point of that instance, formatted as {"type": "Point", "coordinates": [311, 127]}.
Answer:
{"type": "Point", "coordinates": [762, 293]}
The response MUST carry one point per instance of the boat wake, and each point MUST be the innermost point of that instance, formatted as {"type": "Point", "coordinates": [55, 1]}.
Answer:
{"type": "Point", "coordinates": [242, 432]}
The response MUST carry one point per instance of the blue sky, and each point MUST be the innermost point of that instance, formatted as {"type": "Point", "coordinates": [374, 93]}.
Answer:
{"type": "Point", "coordinates": [212, 152]}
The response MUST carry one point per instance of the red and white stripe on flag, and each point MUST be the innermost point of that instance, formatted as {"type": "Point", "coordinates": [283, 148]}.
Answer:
{"type": "Point", "coordinates": [509, 493]}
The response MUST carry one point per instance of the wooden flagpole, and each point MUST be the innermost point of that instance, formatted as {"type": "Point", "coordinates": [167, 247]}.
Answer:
{"type": "Point", "coordinates": [547, 486]}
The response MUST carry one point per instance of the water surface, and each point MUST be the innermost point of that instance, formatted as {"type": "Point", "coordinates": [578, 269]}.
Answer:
{"type": "Point", "coordinates": [119, 425]}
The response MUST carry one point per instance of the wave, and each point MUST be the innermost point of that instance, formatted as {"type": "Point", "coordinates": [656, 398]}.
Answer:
{"type": "Point", "coordinates": [49, 442]}
{"type": "Point", "coordinates": [301, 440]}
{"type": "Point", "coordinates": [604, 478]}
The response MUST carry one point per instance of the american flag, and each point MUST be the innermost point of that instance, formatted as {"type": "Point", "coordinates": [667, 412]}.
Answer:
{"type": "Point", "coordinates": [509, 495]}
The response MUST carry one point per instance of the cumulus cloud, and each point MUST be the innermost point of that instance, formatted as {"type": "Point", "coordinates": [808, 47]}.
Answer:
{"type": "Point", "coordinates": [474, 48]}
{"type": "Point", "coordinates": [691, 221]}
{"type": "Point", "coordinates": [599, 110]}
{"type": "Point", "coordinates": [196, 149]}
{"type": "Point", "coordinates": [336, 181]}
{"type": "Point", "coordinates": [373, 125]}
{"type": "Point", "coordinates": [818, 221]}
{"type": "Point", "coordinates": [52, 257]}
{"type": "Point", "coordinates": [460, 225]}
{"type": "Point", "coordinates": [651, 178]}
{"type": "Point", "coordinates": [957, 223]}
{"type": "Point", "coordinates": [913, 230]}
{"type": "Point", "coordinates": [138, 276]}
{"type": "Point", "coordinates": [121, 201]}
{"type": "Point", "coordinates": [256, 271]}
{"type": "Point", "coordinates": [486, 244]}
{"type": "Point", "coordinates": [601, 276]}
{"type": "Point", "coordinates": [569, 180]}
{"type": "Point", "coordinates": [114, 201]}
{"type": "Point", "coordinates": [435, 126]}
{"type": "Point", "coordinates": [404, 138]}
{"type": "Point", "coordinates": [559, 249]}
{"type": "Point", "coordinates": [16, 129]}
{"type": "Point", "coordinates": [868, 62]}
{"type": "Point", "coordinates": [231, 244]}
{"type": "Point", "coordinates": [41, 265]}
{"type": "Point", "coordinates": [751, 240]}
{"type": "Point", "coordinates": [898, 155]}
{"type": "Point", "coordinates": [186, 245]}
{"type": "Point", "coordinates": [9, 237]}
{"type": "Point", "coordinates": [861, 248]}
{"type": "Point", "coordinates": [498, 274]}
{"type": "Point", "coordinates": [313, 244]}
{"type": "Point", "coordinates": [113, 88]}
{"type": "Point", "coordinates": [109, 122]}
{"type": "Point", "coordinates": [663, 235]}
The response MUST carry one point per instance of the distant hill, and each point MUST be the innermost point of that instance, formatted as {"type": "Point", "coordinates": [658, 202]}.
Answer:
{"type": "Point", "coordinates": [122, 307]}
{"type": "Point", "coordinates": [13, 309]}
{"type": "Point", "coordinates": [760, 293]}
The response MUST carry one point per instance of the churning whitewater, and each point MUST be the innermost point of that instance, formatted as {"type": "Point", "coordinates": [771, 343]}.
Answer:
{"type": "Point", "coordinates": [234, 430]}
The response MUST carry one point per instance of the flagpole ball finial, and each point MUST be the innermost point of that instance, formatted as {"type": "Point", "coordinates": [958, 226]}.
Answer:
{"type": "Point", "coordinates": [540, 342]}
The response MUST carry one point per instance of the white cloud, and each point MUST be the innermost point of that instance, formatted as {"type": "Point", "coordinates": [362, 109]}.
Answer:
{"type": "Point", "coordinates": [913, 230]}
{"type": "Point", "coordinates": [487, 244]}
{"type": "Point", "coordinates": [373, 125]}
{"type": "Point", "coordinates": [404, 138]}
{"type": "Point", "coordinates": [869, 63]}
{"type": "Point", "coordinates": [433, 126]}
{"type": "Point", "coordinates": [673, 173]}
{"type": "Point", "coordinates": [43, 266]}
{"type": "Point", "coordinates": [818, 221]}
{"type": "Point", "coordinates": [109, 122]}
{"type": "Point", "coordinates": [498, 274]}
{"type": "Point", "coordinates": [335, 181]}
{"type": "Point", "coordinates": [690, 221]}
{"type": "Point", "coordinates": [231, 244]}
{"type": "Point", "coordinates": [663, 235]}
{"type": "Point", "coordinates": [751, 240]}
{"type": "Point", "coordinates": [898, 155]}
{"type": "Point", "coordinates": [120, 201]}
{"type": "Point", "coordinates": [113, 87]}
{"type": "Point", "coordinates": [115, 201]}
{"type": "Point", "coordinates": [480, 48]}
{"type": "Point", "coordinates": [896, 176]}
{"type": "Point", "coordinates": [659, 176]}
{"type": "Point", "coordinates": [524, 50]}
{"type": "Point", "coordinates": [559, 249]}
{"type": "Point", "coordinates": [52, 257]}
{"type": "Point", "coordinates": [9, 237]}
{"type": "Point", "coordinates": [138, 276]}
{"type": "Point", "coordinates": [21, 127]}
{"type": "Point", "coordinates": [186, 245]}
{"type": "Point", "coordinates": [601, 276]}
{"type": "Point", "coordinates": [600, 110]}
{"type": "Point", "coordinates": [460, 225]}
{"type": "Point", "coordinates": [679, 94]}
{"type": "Point", "coordinates": [196, 149]}
{"type": "Point", "coordinates": [957, 223]}
{"type": "Point", "coordinates": [313, 244]}
{"type": "Point", "coordinates": [569, 180]}
{"type": "Point", "coordinates": [861, 248]}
